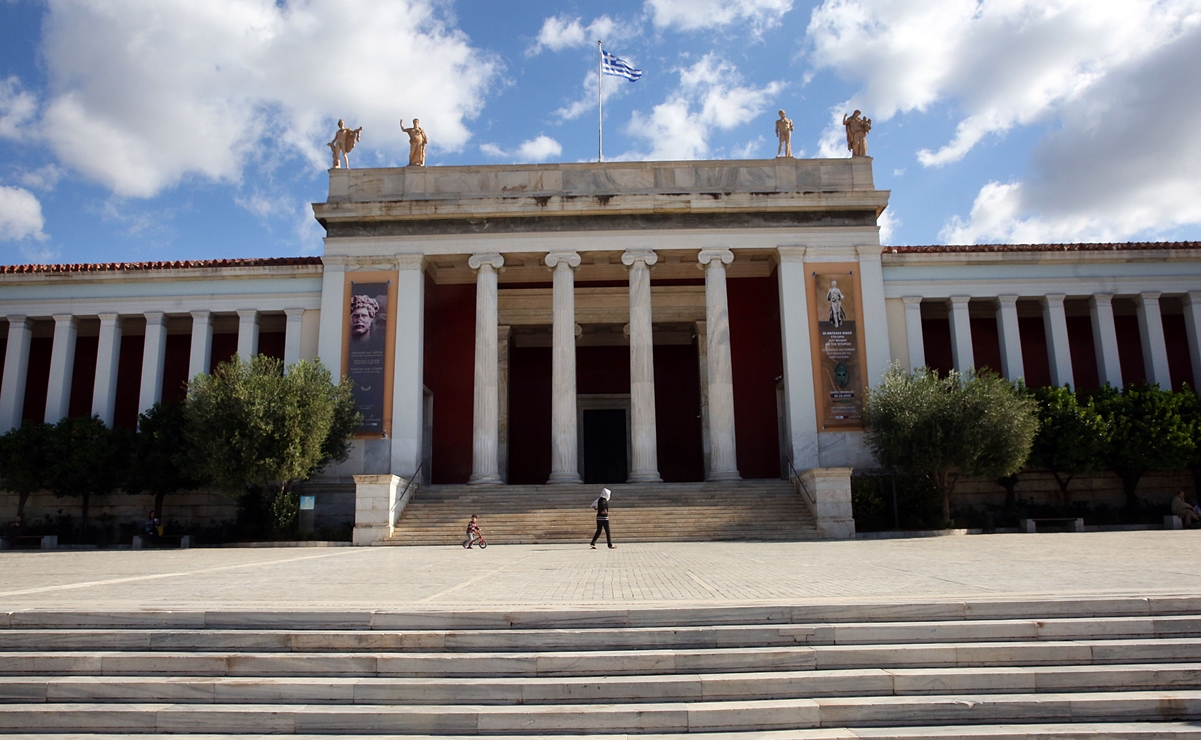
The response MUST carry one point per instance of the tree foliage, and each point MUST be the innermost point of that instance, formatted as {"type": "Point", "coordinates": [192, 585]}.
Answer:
{"type": "Point", "coordinates": [1146, 430]}
{"type": "Point", "coordinates": [1071, 439]}
{"type": "Point", "coordinates": [161, 461]}
{"type": "Point", "coordinates": [979, 425]}
{"type": "Point", "coordinates": [24, 459]}
{"type": "Point", "coordinates": [250, 425]}
{"type": "Point", "coordinates": [86, 458]}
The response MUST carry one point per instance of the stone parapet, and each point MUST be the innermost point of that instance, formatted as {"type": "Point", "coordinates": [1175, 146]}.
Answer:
{"type": "Point", "coordinates": [376, 507]}
{"type": "Point", "coordinates": [830, 489]}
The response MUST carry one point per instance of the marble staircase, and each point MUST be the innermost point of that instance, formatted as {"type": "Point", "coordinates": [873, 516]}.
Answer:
{"type": "Point", "coordinates": [664, 512]}
{"type": "Point", "coordinates": [1034, 668]}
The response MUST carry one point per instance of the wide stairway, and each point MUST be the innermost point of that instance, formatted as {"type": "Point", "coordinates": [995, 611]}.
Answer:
{"type": "Point", "coordinates": [1118, 668]}
{"type": "Point", "coordinates": [741, 510]}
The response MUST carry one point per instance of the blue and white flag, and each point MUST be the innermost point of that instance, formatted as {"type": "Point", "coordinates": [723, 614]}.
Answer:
{"type": "Point", "coordinates": [612, 65]}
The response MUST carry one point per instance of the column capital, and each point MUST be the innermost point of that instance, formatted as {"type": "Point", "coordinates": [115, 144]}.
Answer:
{"type": "Point", "coordinates": [1054, 300]}
{"type": "Point", "coordinates": [248, 314]}
{"type": "Point", "coordinates": [869, 253]}
{"type": "Point", "coordinates": [1149, 296]}
{"type": "Point", "coordinates": [791, 253]}
{"type": "Point", "coordinates": [294, 314]}
{"type": "Point", "coordinates": [201, 315]}
{"type": "Point", "coordinates": [156, 318]}
{"type": "Point", "coordinates": [18, 318]}
{"type": "Point", "coordinates": [959, 300]}
{"type": "Point", "coordinates": [487, 258]}
{"type": "Point", "coordinates": [1103, 299]}
{"type": "Point", "coordinates": [715, 257]}
{"type": "Point", "coordinates": [646, 256]}
{"type": "Point", "coordinates": [1007, 300]}
{"type": "Point", "coordinates": [410, 261]}
{"type": "Point", "coordinates": [109, 318]}
{"type": "Point", "coordinates": [64, 318]}
{"type": "Point", "coordinates": [568, 259]}
{"type": "Point", "coordinates": [912, 301]}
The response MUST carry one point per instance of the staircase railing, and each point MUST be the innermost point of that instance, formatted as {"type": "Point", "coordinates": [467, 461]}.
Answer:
{"type": "Point", "coordinates": [400, 498]}
{"type": "Point", "coordinates": [801, 488]}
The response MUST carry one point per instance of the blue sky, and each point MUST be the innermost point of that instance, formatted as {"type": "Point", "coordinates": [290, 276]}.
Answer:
{"type": "Point", "coordinates": [154, 130]}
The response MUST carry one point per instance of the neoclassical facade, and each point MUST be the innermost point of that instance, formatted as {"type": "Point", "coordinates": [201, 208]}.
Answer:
{"type": "Point", "coordinates": [592, 323]}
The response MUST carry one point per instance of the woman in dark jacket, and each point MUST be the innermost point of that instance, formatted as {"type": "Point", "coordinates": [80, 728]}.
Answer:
{"type": "Point", "coordinates": [602, 519]}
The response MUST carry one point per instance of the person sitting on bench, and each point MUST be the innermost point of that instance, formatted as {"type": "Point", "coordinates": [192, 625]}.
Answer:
{"type": "Point", "coordinates": [1184, 510]}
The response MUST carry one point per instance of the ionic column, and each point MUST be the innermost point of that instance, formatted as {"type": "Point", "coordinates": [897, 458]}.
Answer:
{"type": "Point", "coordinates": [723, 460]}
{"type": "Point", "coordinates": [1155, 349]}
{"type": "Point", "coordinates": [913, 331]}
{"type": "Point", "coordinates": [108, 356]}
{"type": "Point", "coordinates": [408, 363]}
{"type": "Point", "coordinates": [16, 370]}
{"type": "Point", "coordinates": [564, 464]}
{"type": "Point", "coordinates": [503, 333]}
{"type": "Point", "coordinates": [1192, 326]}
{"type": "Point", "coordinates": [292, 332]}
{"type": "Point", "coordinates": [702, 364]}
{"type": "Point", "coordinates": [1012, 366]}
{"type": "Point", "coordinates": [154, 354]}
{"type": "Point", "coordinates": [1105, 340]}
{"type": "Point", "coordinates": [961, 334]}
{"type": "Point", "coordinates": [642, 368]}
{"type": "Point", "coordinates": [1059, 351]}
{"type": "Point", "coordinates": [248, 334]}
{"type": "Point", "coordinates": [62, 365]}
{"type": "Point", "coordinates": [202, 344]}
{"type": "Point", "coordinates": [486, 418]}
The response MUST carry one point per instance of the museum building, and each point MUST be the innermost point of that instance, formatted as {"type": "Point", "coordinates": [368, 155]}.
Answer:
{"type": "Point", "coordinates": [602, 323]}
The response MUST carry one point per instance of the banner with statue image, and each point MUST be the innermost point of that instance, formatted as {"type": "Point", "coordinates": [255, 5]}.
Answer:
{"type": "Point", "coordinates": [837, 346]}
{"type": "Point", "coordinates": [367, 352]}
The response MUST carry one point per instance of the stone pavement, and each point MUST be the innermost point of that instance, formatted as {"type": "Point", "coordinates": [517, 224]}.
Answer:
{"type": "Point", "coordinates": [645, 575]}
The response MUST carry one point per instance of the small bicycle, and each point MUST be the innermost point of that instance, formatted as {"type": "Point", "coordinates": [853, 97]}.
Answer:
{"type": "Point", "coordinates": [478, 541]}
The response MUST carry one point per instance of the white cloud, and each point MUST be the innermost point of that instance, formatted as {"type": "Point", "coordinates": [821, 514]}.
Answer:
{"type": "Point", "coordinates": [145, 94]}
{"type": "Point", "coordinates": [265, 205]}
{"type": "Point", "coordinates": [888, 223]}
{"type": "Point", "coordinates": [708, 97]}
{"type": "Point", "coordinates": [17, 110]}
{"type": "Point", "coordinates": [693, 15]}
{"type": "Point", "coordinates": [563, 32]}
{"type": "Point", "coordinates": [43, 178]}
{"type": "Point", "coordinates": [615, 87]}
{"type": "Point", "coordinates": [20, 215]}
{"type": "Point", "coordinates": [538, 149]}
{"type": "Point", "coordinates": [1002, 62]}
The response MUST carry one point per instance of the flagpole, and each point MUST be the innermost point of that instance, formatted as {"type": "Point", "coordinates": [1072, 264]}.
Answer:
{"type": "Point", "coordinates": [600, 120]}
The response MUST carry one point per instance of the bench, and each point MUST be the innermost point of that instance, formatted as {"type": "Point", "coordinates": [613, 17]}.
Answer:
{"type": "Point", "coordinates": [28, 541]}
{"type": "Point", "coordinates": [184, 540]}
{"type": "Point", "coordinates": [1030, 526]}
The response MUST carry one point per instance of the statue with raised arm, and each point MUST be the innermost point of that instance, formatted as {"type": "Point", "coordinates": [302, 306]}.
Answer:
{"type": "Point", "coordinates": [835, 297]}
{"type": "Point", "coordinates": [784, 134]}
{"type": "Point", "coordinates": [417, 142]}
{"type": "Point", "coordinates": [344, 141]}
{"type": "Point", "coordinates": [857, 129]}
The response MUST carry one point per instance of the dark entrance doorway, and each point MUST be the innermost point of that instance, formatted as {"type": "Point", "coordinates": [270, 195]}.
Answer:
{"type": "Point", "coordinates": [604, 446]}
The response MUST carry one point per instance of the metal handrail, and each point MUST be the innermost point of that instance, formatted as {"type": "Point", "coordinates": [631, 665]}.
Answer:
{"type": "Point", "coordinates": [401, 497]}
{"type": "Point", "coordinates": [800, 482]}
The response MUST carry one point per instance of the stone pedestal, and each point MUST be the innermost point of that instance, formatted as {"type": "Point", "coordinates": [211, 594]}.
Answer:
{"type": "Point", "coordinates": [831, 490]}
{"type": "Point", "coordinates": [375, 507]}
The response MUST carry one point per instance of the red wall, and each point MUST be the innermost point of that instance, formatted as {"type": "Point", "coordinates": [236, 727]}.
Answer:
{"type": "Point", "coordinates": [37, 379]}
{"type": "Point", "coordinates": [1180, 365]}
{"type": "Point", "coordinates": [678, 413]}
{"type": "Point", "coordinates": [271, 343]}
{"type": "Point", "coordinates": [1034, 351]}
{"type": "Point", "coordinates": [530, 402]}
{"type": "Point", "coordinates": [1084, 356]}
{"type": "Point", "coordinates": [986, 344]}
{"type": "Point", "coordinates": [129, 382]}
{"type": "Point", "coordinates": [449, 369]}
{"type": "Point", "coordinates": [225, 346]}
{"type": "Point", "coordinates": [758, 363]}
{"type": "Point", "coordinates": [83, 376]}
{"type": "Point", "coordinates": [1130, 350]}
{"type": "Point", "coordinates": [936, 341]}
{"type": "Point", "coordinates": [175, 367]}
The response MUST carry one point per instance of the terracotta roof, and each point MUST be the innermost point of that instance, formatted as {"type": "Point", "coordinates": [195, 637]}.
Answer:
{"type": "Point", "coordinates": [146, 266]}
{"type": "Point", "coordinates": [1084, 247]}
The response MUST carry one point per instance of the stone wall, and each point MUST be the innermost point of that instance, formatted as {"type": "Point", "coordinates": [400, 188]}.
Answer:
{"type": "Point", "coordinates": [1105, 489]}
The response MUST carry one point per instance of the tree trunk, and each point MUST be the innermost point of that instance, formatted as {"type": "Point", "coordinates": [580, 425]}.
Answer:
{"type": "Point", "coordinates": [1009, 483]}
{"type": "Point", "coordinates": [1130, 479]}
{"type": "Point", "coordinates": [1063, 487]}
{"type": "Point", "coordinates": [945, 482]}
{"type": "Point", "coordinates": [86, 499]}
{"type": "Point", "coordinates": [158, 503]}
{"type": "Point", "coordinates": [22, 497]}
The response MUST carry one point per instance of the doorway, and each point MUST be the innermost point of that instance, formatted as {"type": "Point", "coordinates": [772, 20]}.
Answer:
{"type": "Point", "coordinates": [605, 446]}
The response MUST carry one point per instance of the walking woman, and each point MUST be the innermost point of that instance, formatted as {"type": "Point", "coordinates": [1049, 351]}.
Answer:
{"type": "Point", "coordinates": [602, 518]}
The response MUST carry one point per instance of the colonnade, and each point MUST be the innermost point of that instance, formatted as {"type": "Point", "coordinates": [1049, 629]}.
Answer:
{"type": "Point", "coordinates": [1055, 325]}
{"type": "Point", "coordinates": [564, 441]}
{"type": "Point", "coordinates": [108, 353]}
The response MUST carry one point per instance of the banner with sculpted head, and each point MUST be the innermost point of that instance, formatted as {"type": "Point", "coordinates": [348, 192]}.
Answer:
{"type": "Point", "coordinates": [366, 353]}
{"type": "Point", "coordinates": [838, 354]}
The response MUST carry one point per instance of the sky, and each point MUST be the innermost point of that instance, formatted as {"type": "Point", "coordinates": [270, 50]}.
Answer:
{"type": "Point", "coordinates": [135, 130]}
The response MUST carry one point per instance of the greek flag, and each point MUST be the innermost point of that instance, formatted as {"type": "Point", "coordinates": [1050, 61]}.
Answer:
{"type": "Point", "coordinates": [612, 65]}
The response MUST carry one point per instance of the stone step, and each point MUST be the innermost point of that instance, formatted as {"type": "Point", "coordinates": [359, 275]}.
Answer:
{"type": "Point", "coordinates": [716, 636]}
{"type": "Point", "coordinates": [600, 663]}
{"type": "Point", "coordinates": [858, 683]}
{"type": "Point", "coordinates": [772, 714]}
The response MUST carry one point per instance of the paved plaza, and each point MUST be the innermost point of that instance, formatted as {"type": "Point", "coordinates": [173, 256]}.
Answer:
{"type": "Point", "coordinates": [634, 575]}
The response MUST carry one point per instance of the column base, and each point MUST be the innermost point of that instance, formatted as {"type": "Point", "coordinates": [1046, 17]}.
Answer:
{"type": "Point", "coordinates": [564, 478]}
{"type": "Point", "coordinates": [724, 475]}
{"type": "Point", "coordinates": [646, 477]}
{"type": "Point", "coordinates": [491, 479]}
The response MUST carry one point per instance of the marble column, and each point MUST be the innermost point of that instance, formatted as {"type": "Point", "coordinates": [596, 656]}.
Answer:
{"type": "Point", "coordinates": [108, 356]}
{"type": "Point", "coordinates": [248, 334]}
{"type": "Point", "coordinates": [962, 355]}
{"type": "Point", "coordinates": [201, 355]}
{"type": "Point", "coordinates": [799, 397]}
{"type": "Point", "coordinates": [1192, 326]}
{"type": "Point", "coordinates": [1155, 348]}
{"type": "Point", "coordinates": [333, 313]}
{"type": "Point", "coordinates": [642, 368]}
{"type": "Point", "coordinates": [408, 363]}
{"type": "Point", "coordinates": [915, 339]}
{"type": "Point", "coordinates": [62, 365]}
{"type": "Point", "coordinates": [16, 371]}
{"type": "Point", "coordinates": [292, 333]}
{"type": "Point", "coordinates": [503, 334]}
{"type": "Point", "coordinates": [874, 321]}
{"type": "Point", "coordinates": [1012, 366]}
{"type": "Point", "coordinates": [1105, 340]}
{"type": "Point", "coordinates": [1059, 349]}
{"type": "Point", "coordinates": [723, 461]}
{"type": "Point", "coordinates": [702, 364]}
{"type": "Point", "coordinates": [564, 456]}
{"type": "Point", "coordinates": [485, 446]}
{"type": "Point", "coordinates": [154, 355]}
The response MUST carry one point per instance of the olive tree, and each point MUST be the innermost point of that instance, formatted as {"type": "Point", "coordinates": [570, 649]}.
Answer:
{"type": "Point", "coordinates": [24, 459]}
{"type": "Point", "coordinates": [161, 461]}
{"type": "Point", "coordinates": [978, 424]}
{"type": "Point", "coordinates": [86, 458]}
{"type": "Point", "coordinates": [251, 426]}
{"type": "Point", "coordinates": [1071, 438]}
{"type": "Point", "coordinates": [1146, 430]}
